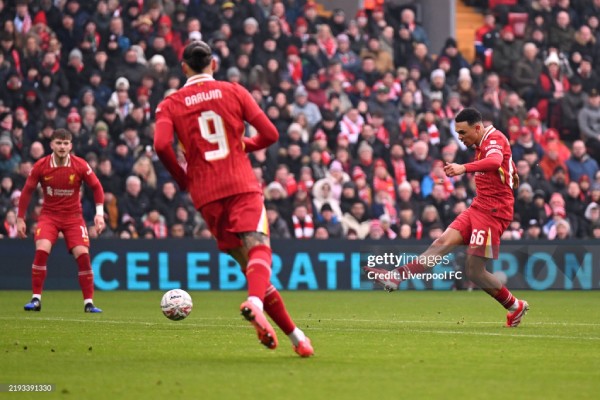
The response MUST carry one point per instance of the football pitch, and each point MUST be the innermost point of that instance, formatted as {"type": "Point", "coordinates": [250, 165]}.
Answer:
{"type": "Point", "coordinates": [449, 345]}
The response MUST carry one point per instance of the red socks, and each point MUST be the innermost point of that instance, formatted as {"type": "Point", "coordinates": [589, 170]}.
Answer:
{"type": "Point", "coordinates": [38, 271]}
{"type": "Point", "coordinates": [258, 271]}
{"type": "Point", "coordinates": [505, 297]}
{"type": "Point", "coordinates": [412, 268]}
{"type": "Point", "coordinates": [86, 276]}
{"type": "Point", "coordinates": [275, 308]}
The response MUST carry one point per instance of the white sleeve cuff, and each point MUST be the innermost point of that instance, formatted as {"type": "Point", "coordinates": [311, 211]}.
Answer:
{"type": "Point", "coordinates": [100, 209]}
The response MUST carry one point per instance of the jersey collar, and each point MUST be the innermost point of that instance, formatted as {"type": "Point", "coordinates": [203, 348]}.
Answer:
{"type": "Point", "coordinates": [192, 80]}
{"type": "Point", "coordinates": [53, 163]}
{"type": "Point", "coordinates": [486, 133]}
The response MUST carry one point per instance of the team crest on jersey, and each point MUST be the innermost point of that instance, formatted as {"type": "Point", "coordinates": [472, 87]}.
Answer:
{"type": "Point", "coordinates": [71, 179]}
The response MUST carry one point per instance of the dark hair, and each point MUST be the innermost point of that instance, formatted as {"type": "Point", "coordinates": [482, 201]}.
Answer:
{"type": "Point", "coordinates": [61, 134]}
{"type": "Point", "coordinates": [197, 55]}
{"type": "Point", "coordinates": [469, 115]}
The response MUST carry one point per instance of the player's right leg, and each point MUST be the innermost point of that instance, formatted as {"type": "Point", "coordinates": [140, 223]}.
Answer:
{"type": "Point", "coordinates": [476, 272]}
{"type": "Point", "coordinates": [390, 280]}
{"type": "Point", "coordinates": [274, 306]}
{"type": "Point", "coordinates": [228, 219]}
{"type": "Point", "coordinates": [45, 236]}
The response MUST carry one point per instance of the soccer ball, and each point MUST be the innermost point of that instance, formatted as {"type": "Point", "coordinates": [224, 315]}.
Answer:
{"type": "Point", "coordinates": [176, 304]}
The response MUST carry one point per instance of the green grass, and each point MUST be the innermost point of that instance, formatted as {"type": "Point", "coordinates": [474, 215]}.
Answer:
{"type": "Point", "coordinates": [400, 345]}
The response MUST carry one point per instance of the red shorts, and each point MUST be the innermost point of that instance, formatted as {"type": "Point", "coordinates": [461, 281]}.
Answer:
{"type": "Point", "coordinates": [73, 229]}
{"type": "Point", "coordinates": [480, 231]}
{"type": "Point", "coordinates": [227, 217]}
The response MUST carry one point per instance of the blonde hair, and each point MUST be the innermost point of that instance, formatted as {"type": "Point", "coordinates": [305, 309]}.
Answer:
{"type": "Point", "coordinates": [148, 176]}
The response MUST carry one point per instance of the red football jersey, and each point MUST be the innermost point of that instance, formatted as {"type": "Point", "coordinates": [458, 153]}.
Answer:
{"type": "Point", "coordinates": [495, 188]}
{"type": "Point", "coordinates": [209, 117]}
{"type": "Point", "coordinates": [61, 186]}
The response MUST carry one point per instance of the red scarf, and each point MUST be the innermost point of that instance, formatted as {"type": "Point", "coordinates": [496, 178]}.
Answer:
{"type": "Point", "coordinates": [365, 195]}
{"type": "Point", "coordinates": [404, 129]}
{"type": "Point", "coordinates": [419, 230]}
{"type": "Point", "coordinates": [383, 135]}
{"type": "Point", "coordinates": [329, 47]}
{"type": "Point", "coordinates": [159, 228]}
{"type": "Point", "coordinates": [399, 170]}
{"type": "Point", "coordinates": [10, 229]}
{"type": "Point", "coordinates": [386, 185]}
{"type": "Point", "coordinates": [295, 71]}
{"type": "Point", "coordinates": [303, 232]}
{"type": "Point", "coordinates": [445, 181]}
{"type": "Point", "coordinates": [434, 133]}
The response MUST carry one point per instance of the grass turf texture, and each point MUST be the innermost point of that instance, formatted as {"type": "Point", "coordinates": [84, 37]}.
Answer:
{"type": "Point", "coordinates": [405, 344]}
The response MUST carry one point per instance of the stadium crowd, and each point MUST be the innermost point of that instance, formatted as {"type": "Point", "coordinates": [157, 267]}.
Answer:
{"type": "Point", "coordinates": [364, 107]}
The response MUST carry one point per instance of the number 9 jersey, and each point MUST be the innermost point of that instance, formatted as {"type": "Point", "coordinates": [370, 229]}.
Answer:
{"type": "Point", "coordinates": [208, 117]}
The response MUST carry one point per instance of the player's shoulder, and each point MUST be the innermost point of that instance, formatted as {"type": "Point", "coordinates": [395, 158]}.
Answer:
{"type": "Point", "coordinates": [165, 103]}
{"type": "Point", "coordinates": [496, 136]}
{"type": "Point", "coordinates": [80, 164]}
{"type": "Point", "coordinates": [76, 160]}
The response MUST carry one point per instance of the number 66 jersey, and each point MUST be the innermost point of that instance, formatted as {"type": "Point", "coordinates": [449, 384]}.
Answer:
{"type": "Point", "coordinates": [209, 117]}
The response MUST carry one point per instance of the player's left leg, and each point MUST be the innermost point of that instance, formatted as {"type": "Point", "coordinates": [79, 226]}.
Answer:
{"type": "Point", "coordinates": [478, 274]}
{"type": "Point", "coordinates": [78, 242]}
{"type": "Point", "coordinates": [86, 277]}
{"type": "Point", "coordinates": [439, 248]}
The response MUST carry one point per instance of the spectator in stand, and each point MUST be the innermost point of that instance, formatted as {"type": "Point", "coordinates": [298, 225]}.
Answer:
{"type": "Point", "coordinates": [277, 226]}
{"type": "Point", "coordinates": [589, 123]}
{"type": "Point", "coordinates": [552, 86]}
{"type": "Point", "coordinates": [328, 220]}
{"type": "Point", "coordinates": [585, 72]}
{"type": "Point", "coordinates": [486, 36]}
{"type": "Point", "coordinates": [301, 105]}
{"type": "Point", "coordinates": [134, 203]}
{"type": "Point", "coordinates": [357, 220]}
{"type": "Point", "coordinates": [507, 52]}
{"type": "Point", "coordinates": [570, 104]}
{"type": "Point", "coordinates": [562, 32]}
{"type": "Point", "coordinates": [418, 32]}
{"type": "Point", "coordinates": [581, 163]}
{"type": "Point", "coordinates": [524, 77]}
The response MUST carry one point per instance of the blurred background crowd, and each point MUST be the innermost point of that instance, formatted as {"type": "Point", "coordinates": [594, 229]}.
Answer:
{"type": "Point", "coordinates": [363, 105]}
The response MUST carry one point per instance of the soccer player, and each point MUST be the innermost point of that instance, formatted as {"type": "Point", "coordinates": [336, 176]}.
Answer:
{"type": "Point", "coordinates": [482, 224]}
{"type": "Point", "coordinates": [60, 175]}
{"type": "Point", "coordinates": [208, 117]}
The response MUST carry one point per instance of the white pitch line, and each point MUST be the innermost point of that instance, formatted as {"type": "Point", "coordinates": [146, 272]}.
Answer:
{"type": "Point", "coordinates": [329, 329]}
{"type": "Point", "coordinates": [396, 321]}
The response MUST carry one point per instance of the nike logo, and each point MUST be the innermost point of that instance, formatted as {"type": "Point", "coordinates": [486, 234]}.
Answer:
{"type": "Point", "coordinates": [474, 247]}
{"type": "Point", "coordinates": [47, 178]}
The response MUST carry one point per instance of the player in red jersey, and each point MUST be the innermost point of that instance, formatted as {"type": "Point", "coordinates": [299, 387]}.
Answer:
{"type": "Point", "coordinates": [60, 175]}
{"type": "Point", "coordinates": [209, 118]}
{"type": "Point", "coordinates": [482, 224]}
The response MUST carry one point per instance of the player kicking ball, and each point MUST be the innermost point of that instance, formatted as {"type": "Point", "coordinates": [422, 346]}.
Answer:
{"type": "Point", "coordinates": [60, 175]}
{"type": "Point", "coordinates": [482, 224]}
{"type": "Point", "coordinates": [209, 118]}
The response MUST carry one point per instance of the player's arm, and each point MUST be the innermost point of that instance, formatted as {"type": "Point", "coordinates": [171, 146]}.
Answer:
{"type": "Point", "coordinates": [164, 138]}
{"type": "Point", "coordinates": [92, 181]}
{"type": "Point", "coordinates": [491, 162]}
{"type": "Point", "coordinates": [30, 185]}
{"type": "Point", "coordinates": [266, 132]}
